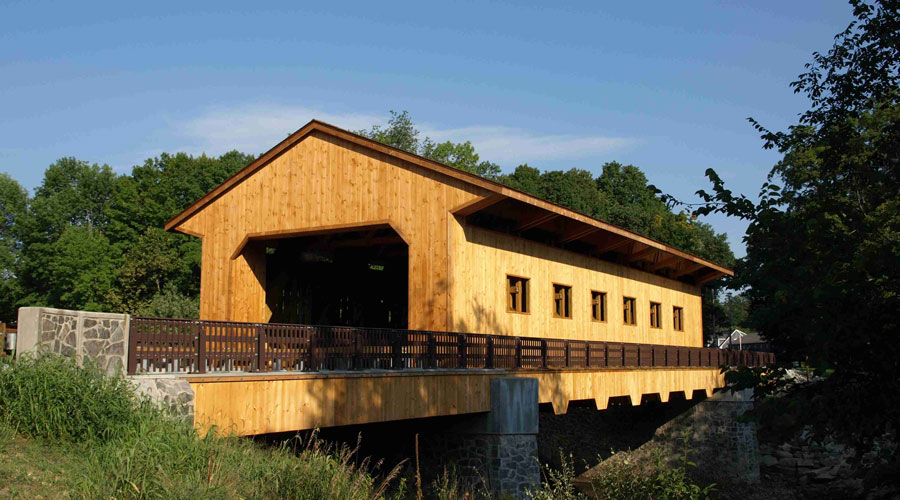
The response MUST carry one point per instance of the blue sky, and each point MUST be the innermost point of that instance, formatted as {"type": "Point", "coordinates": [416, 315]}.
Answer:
{"type": "Point", "coordinates": [666, 86]}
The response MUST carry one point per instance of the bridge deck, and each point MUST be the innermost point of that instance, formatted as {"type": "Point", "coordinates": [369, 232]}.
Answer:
{"type": "Point", "coordinates": [255, 378]}
{"type": "Point", "coordinates": [263, 403]}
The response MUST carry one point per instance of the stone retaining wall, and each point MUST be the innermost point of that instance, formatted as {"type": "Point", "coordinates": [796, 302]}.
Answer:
{"type": "Point", "coordinates": [720, 441]}
{"type": "Point", "coordinates": [99, 337]}
{"type": "Point", "coordinates": [172, 394]}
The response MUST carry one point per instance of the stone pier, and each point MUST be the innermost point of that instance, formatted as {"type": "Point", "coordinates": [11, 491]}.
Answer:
{"type": "Point", "coordinates": [497, 450]}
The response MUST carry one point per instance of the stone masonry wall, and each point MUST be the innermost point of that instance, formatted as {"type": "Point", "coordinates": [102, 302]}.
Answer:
{"type": "Point", "coordinates": [504, 464]}
{"type": "Point", "coordinates": [173, 394]}
{"type": "Point", "coordinates": [720, 441]}
{"type": "Point", "coordinates": [101, 338]}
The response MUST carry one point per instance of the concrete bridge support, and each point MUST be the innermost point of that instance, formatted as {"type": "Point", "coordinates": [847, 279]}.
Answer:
{"type": "Point", "coordinates": [497, 450]}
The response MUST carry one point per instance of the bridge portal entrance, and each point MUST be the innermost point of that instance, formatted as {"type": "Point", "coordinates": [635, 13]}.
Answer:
{"type": "Point", "coordinates": [347, 278]}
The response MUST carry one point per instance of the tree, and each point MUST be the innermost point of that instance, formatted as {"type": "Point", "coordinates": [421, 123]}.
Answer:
{"type": "Point", "coordinates": [81, 268]}
{"type": "Point", "coordinates": [13, 204]}
{"type": "Point", "coordinates": [150, 264]}
{"type": "Point", "coordinates": [72, 194]}
{"type": "Point", "coordinates": [401, 133]}
{"type": "Point", "coordinates": [823, 240]}
{"type": "Point", "coordinates": [460, 155]}
{"type": "Point", "coordinates": [142, 203]}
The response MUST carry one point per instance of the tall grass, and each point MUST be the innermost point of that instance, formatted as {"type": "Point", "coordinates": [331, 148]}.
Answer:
{"type": "Point", "coordinates": [130, 449]}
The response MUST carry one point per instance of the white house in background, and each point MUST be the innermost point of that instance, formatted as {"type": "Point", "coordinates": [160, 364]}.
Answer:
{"type": "Point", "coordinates": [741, 340]}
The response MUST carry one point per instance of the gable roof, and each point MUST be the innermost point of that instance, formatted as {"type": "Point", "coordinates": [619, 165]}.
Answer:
{"type": "Point", "coordinates": [640, 247]}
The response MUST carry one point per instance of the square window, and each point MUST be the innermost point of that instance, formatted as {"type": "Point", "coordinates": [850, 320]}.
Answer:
{"type": "Point", "coordinates": [630, 310]}
{"type": "Point", "coordinates": [517, 294]}
{"type": "Point", "coordinates": [598, 306]}
{"type": "Point", "coordinates": [655, 315]}
{"type": "Point", "coordinates": [562, 301]}
{"type": "Point", "coordinates": [678, 316]}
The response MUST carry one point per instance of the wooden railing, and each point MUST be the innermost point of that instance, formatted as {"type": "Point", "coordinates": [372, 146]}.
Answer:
{"type": "Point", "coordinates": [158, 345]}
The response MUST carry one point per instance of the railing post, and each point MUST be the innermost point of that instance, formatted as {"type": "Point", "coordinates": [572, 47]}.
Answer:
{"type": "Point", "coordinates": [432, 351]}
{"type": "Point", "coordinates": [587, 354]}
{"type": "Point", "coordinates": [313, 342]}
{"type": "Point", "coordinates": [200, 338]}
{"type": "Point", "coordinates": [544, 364]}
{"type": "Point", "coordinates": [258, 329]}
{"type": "Point", "coordinates": [132, 347]}
{"type": "Point", "coordinates": [398, 351]}
{"type": "Point", "coordinates": [489, 355]}
{"type": "Point", "coordinates": [463, 350]}
{"type": "Point", "coordinates": [567, 354]}
{"type": "Point", "coordinates": [356, 362]}
{"type": "Point", "coordinates": [518, 352]}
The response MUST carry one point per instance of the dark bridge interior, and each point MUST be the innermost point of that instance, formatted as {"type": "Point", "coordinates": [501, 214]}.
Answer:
{"type": "Point", "coordinates": [354, 278]}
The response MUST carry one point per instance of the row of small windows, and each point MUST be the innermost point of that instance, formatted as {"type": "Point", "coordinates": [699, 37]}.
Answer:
{"type": "Point", "coordinates": [519, 295]}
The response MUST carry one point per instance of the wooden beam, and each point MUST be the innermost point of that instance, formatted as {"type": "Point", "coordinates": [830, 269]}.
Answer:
{"type": "Point", "coordinates": [708, 275]}
{"type": "Point", "coordinates": [609, 247]}
{"type": "Point", "coordinates": [579, 233]}
{"type": "Point", "coordinates": [687, 268]}
{"type": "Point", "coordinates": [641, 254]}
{"type": "Point", "coordinates": [667, 261]}
{"type": "Point", "coordinates": [315, 231]}
{"type": "Point", "coordinates": [477, 204]}
{"type": "Point", "coordinates": [535, 221]}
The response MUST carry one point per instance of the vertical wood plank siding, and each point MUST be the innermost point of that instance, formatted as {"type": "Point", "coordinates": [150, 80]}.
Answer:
{"type": "Point", "coordinates": [457, 273]}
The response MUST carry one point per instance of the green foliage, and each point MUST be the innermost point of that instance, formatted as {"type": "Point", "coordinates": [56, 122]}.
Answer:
{"type": "Point", "coordinates": [82, 267]}
{"type": "Point", "coordinates": [53, 398]}
{"type": "Point", "coordinates": [13, 204]}
{"type": "Point", "coordinates": [447, 486]}
{"type": "Point", "coordinates": [90, 239]}
{"type": "Point", "coordinates": [170, 303]}
{"type": "Point", "coordinates": [621, 479]}
{"type": "Point", "coordinates": [74, 195]}
{"type": "Point", "coordinates": [402, 133]}
{"type": "Point", "coordinates": [149, 264]}
{"type": "Point", "coordinates": [558, 484]}
{"type": "Point", "coordinates": [119, 446]}
{"type": "Point", "coordinates": [823, 240]}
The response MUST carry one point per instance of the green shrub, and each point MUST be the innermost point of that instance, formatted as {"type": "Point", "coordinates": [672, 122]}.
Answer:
{"type": "Point", "coordinates": [170, 303]}
{"type": "Point", "coordinates": [127, 448]}
{"type": "Point", "coordinates": [621, 479]}
{"type": "Point", "coordinates": [53, 398]}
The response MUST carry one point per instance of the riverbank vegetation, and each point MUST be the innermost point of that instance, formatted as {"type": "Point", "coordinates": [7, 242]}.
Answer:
{"type": "Point", "coordinates": [71, 432]}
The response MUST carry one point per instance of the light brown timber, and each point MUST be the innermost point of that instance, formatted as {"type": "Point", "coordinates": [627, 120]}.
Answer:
{"type": "Point", "coordinates": [257, 404]}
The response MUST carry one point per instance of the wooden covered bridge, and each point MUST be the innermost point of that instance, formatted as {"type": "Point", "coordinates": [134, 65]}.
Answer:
{"type": "Point", "coordinates": [433, 282]}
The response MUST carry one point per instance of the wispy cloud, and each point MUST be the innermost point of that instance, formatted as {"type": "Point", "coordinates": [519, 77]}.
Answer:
{"type": "Point", "coordinates": [256, 128]}
{"type": "Point", "coordinates": [509, 145]}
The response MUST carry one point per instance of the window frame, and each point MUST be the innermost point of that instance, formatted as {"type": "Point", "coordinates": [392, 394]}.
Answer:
{"type": "Point", "coordinates": [633, 309]}
{"type": "Point", "coordinates": [603, 317]}
{"type": "Point", "coordinates": [524, 294]}
{"type": "Point", "coordinates": [655, 314]}
{"type": "Point", "coordinates": [678, 318]}
{"type": "Point", "coordinates": [567, 300]}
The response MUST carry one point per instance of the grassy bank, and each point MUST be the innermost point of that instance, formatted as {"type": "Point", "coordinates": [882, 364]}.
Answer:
{"type": "Point", "coordinates": [67, 431]}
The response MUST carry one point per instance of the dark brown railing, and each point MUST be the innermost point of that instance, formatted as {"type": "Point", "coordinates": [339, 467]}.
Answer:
{"type": "Point", "coordinates": [187, 346]}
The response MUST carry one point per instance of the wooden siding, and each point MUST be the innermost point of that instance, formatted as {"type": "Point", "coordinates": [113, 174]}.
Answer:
{"type": "Point", "coordinates": [263, 404]}
{"type": "Point", "coordinates": [324, 181]}
{"type": "Point", "coordinates": [481, 260]}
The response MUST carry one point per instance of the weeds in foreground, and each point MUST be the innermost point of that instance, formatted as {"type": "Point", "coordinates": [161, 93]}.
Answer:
{"type": "Point", "coordinates": [127, 448]}
{"type": "Point", "coordinates": [621, 479]}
